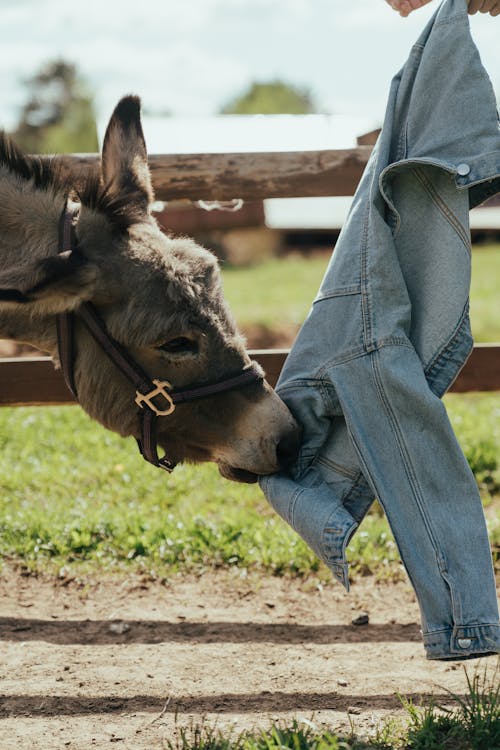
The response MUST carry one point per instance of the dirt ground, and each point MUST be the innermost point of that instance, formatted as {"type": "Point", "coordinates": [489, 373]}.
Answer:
{"type": "Point", "coordinates": [127, 662]}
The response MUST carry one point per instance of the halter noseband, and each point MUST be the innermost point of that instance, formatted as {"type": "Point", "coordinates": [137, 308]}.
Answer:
{"type": "Point", "coordinates": [147, 390]}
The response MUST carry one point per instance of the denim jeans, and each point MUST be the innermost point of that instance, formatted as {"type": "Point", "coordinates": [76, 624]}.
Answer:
{"type": "Point", "coordinates": [386, 336]}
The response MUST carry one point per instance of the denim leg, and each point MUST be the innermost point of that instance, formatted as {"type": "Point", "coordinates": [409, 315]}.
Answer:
{"type": "Point", "coordinates": [410, 456]}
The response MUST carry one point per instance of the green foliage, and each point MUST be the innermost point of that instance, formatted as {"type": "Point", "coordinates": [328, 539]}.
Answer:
{"type": "Point", "coordinates": [58, 116]}
{"type": "Point", "coordinates": [271, 98]}
{"type": "Point", "coordinates": [473, 724]}
{"type": "Point", "coordinates": [297, 735]}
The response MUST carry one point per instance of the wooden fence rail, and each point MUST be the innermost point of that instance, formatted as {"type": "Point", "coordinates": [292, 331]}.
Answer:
{"type": "Point", "coordinates": [250, 176]}
{"type": "Point", "coordinates": [33, 381]}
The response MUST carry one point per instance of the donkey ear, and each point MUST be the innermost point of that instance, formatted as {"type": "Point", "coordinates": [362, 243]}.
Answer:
{"type": "Point", "coordinates": [60, 282]}
{"type": "Point", "coordinates": [125, 168]}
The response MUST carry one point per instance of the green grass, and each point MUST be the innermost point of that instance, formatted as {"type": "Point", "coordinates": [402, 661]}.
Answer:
{"type": "Point", "coordinates": [476, 420]}
{"type": "Point", "coordinates": [73, 494]}
{"type": "Point", "coordinates": [485, 318]}
{"type": "Point", "coordinates": [471, 723]}
{"type": "Point", "coordinates": [275, 292]}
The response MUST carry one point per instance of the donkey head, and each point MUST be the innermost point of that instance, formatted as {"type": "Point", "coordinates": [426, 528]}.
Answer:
{"type": "Point", "coordinates": [160, 298]}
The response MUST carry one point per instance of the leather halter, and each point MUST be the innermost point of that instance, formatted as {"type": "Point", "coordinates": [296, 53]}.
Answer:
{"type": "Point", "coordinates": [147, 391]}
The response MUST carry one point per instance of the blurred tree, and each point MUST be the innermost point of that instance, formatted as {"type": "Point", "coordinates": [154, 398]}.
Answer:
{"type": "Point", "coordinates": [58, 116]}
{"type": "Point", "coordinates": [271, 98]}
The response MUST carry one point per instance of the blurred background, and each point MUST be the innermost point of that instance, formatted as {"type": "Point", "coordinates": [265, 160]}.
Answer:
{"type": "Point", "coordinates": [197, 58]}
{"type": "Point", "coordinates": [227, 76]}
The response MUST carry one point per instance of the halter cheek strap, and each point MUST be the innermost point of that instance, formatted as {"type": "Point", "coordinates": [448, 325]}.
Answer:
{"type": "Point", "coordinates": [148, 392]}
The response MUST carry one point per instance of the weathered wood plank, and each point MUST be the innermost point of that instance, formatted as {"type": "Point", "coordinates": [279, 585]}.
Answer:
{"type": "Point", "coordinates": [33, 381]}
{"type": "Point", "coordinates": [481, 371]}
{"type": "Point", "coordinates": [250, 176]}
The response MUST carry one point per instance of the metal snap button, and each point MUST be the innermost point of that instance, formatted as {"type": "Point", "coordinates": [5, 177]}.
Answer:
{"type": "Point", "coordinates": [464, 642]}
{"type": "Point", "coordinates": [463, 169]}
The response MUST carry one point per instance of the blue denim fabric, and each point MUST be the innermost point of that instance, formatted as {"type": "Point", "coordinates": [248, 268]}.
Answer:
{"type": "Point", "coordinates": [387, 335]}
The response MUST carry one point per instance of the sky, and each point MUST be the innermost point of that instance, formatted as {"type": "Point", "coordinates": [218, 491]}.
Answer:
{"type": "Point", "coordinates": [190, 57]}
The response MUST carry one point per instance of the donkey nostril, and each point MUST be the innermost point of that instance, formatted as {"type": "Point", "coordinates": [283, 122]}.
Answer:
{"type": "Point", "coordinates": [287, 449]}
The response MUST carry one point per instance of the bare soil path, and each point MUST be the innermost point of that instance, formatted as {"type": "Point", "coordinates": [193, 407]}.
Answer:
{"type": "Point", "coordinates": [126, 662]}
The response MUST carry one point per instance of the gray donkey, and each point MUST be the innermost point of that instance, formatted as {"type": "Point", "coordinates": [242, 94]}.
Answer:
{"type": "Point", "coordinates": [136, 319]}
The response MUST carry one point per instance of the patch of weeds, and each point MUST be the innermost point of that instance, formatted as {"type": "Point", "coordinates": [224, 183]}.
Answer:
{"type": "Point", "coordinates": [474, 724]}
{"type": "Point", "coordinates": [432, 730]}
{"type": "Point", "coordinates": [298, 735]}
{"type": "Point", "coordinates": [200, 737]}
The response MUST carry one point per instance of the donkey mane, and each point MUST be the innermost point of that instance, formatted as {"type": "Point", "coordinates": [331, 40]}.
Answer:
{"type": "Point", "coordinates": [84, 185]}
{"type": "Point", "coordinates": [44, 173]}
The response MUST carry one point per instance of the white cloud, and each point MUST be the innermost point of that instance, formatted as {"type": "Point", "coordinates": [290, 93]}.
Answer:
{"type": "Point", "coordinates": [190, 57]}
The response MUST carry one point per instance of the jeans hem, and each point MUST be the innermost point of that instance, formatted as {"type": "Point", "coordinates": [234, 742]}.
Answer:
{"type": "Point", "coordinates": [463, 642]}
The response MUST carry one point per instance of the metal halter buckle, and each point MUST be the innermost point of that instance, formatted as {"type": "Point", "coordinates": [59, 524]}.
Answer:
{"type": "Point", "coordinates": [160, 390]}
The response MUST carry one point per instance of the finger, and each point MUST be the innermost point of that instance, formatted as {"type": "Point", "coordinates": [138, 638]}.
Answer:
{"type": "Point", "coordinates": [475, 6]}
{"type": "Point", "coordinates": [408, 6]}
{"type": "Point", "coordinates": [491, 6]}
{"type": "Point", "coordinates": [404, 8]}
{"type": "Point", "coordinates": [415, 4]}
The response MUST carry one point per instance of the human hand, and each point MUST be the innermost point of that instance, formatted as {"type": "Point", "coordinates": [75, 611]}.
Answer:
{"type": "Point", "coordinates": [405, 7]}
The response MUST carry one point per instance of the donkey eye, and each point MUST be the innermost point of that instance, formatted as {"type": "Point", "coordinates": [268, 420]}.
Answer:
{"type": "Point", "coordinates": [179, 344]}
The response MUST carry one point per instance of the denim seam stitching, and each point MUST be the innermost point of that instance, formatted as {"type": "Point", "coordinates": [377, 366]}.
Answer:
{"type": "Point", "coordinates": [402, 144]}
{"type": "Point", "coordinates": [323, 372]}
{"type": "Point", "coordinates": [456, 605]}
{"type": "Point", "coordinates": [347, 495]}
{"type": "Point", "coordinates": [451, 19]}
{"type": "Point", "coordinates": [368, 477]}
{"type": "Point", "coordinates": [337, 562]}
{"type": "Point", "coordinates": [365, 294]}
{"type": "Point", "coordinates": [322, 378]}
{"type": "Point", "coordinates": [341, 292]}
{"type": "Point", "coordinates": [324, 389]}
{"type": "Point", "coordinates": [293, 502]}
{"type": "Point", "coordinates": [435, 362]}
{"type": "Point", "coordinates": [444, 209]}
{"type": "Point", "coordinates": [410, 472]}
{"type": "Point", "coordinates": [343, 470]}
{"type": "Point", "coordinates": [456, 628]}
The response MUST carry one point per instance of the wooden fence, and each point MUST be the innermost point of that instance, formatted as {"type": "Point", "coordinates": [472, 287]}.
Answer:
{"type": "Point", "coordinates": [220, 177]}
